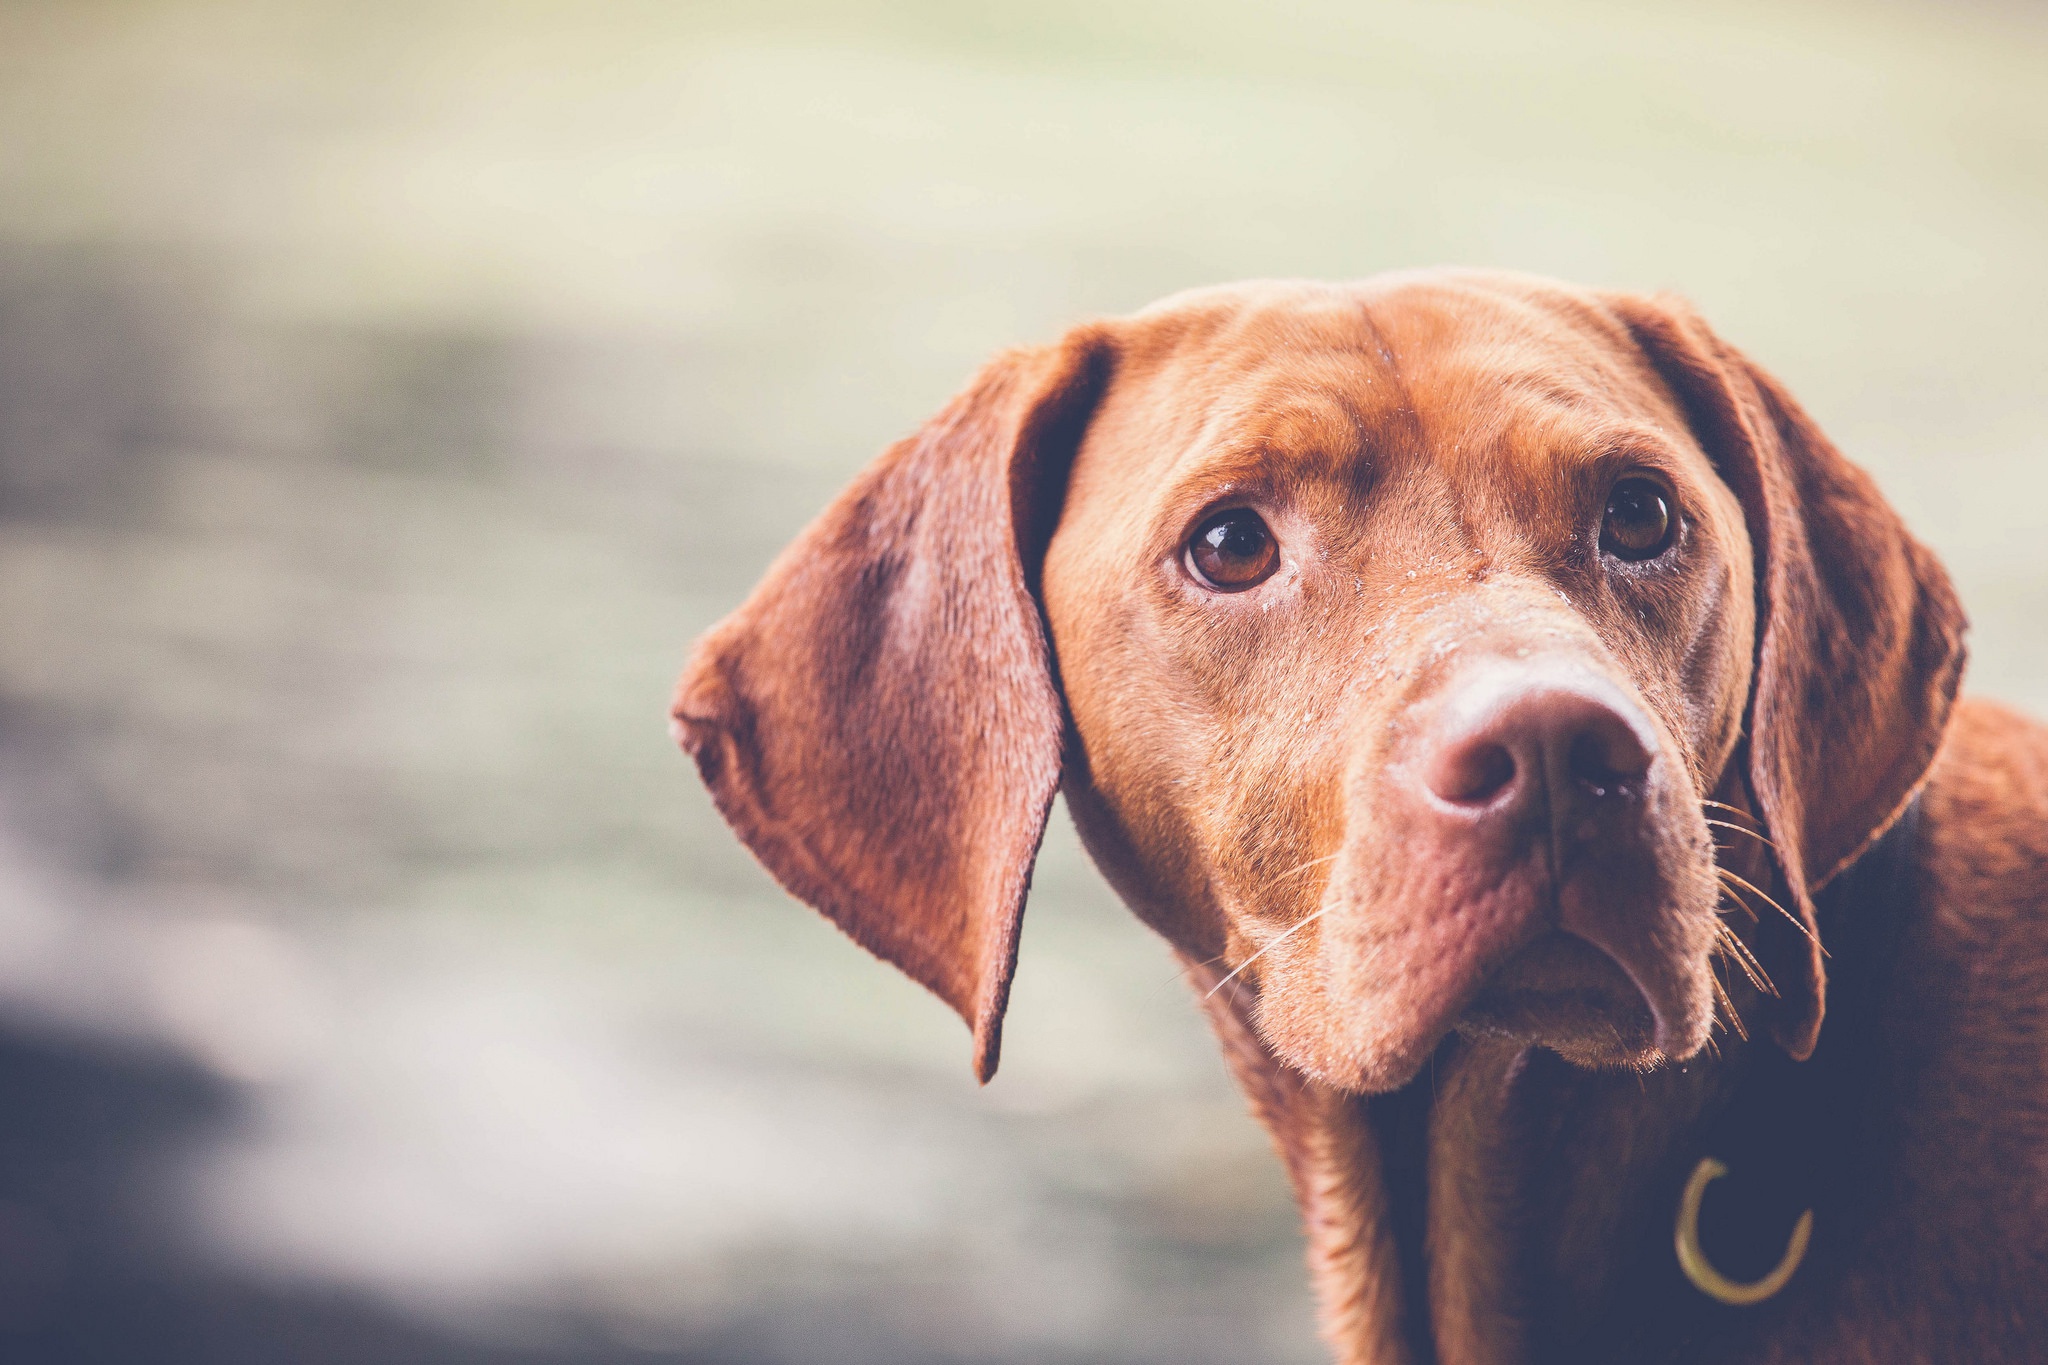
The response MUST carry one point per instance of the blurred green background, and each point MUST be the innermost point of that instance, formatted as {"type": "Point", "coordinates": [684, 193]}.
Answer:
{"type": "Point", "coordinates": [389, 392]}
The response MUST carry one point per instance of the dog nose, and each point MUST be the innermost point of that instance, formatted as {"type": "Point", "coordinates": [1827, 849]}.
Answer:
{"type": "Point", "coordinates": [1505, 741]}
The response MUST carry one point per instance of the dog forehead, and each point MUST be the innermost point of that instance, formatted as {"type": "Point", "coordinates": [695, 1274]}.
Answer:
{"type": "Point", "coordinates": [1281, 363]}
{"type": "Point", "coordinates": [1473, 373]}
{"type": "Point", "coordinates": [1479, 354]}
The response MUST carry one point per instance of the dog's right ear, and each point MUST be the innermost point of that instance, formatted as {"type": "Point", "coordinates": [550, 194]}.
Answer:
{"type": "Point", "coordinates": [879, 721]}
{"type": "Point", "coordinates": [1860, 649]}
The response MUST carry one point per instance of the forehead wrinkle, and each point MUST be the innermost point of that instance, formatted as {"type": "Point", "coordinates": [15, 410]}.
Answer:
{"type": "Point", "coordinates": [1295, 409]}
{"type": "Point", "coordinates": [1523, 372]}
{"type": "Point", "coordinates": [1527, 465]}
{"type": "Point", "coordinates": [1304, 403]}
{"type": "Point", "coordinates": [1269, 451]}
{"type": "Point", "coordinates": [1409, 433]}
{"type": "Point", "coordinates": [1513, 461]}
{"type": "Point", "coordinates": [1262, 351]}
{"type": "Point", "coordinates": [1522, 332]}
{"type": "Point", "coordinates": [1556, 343]}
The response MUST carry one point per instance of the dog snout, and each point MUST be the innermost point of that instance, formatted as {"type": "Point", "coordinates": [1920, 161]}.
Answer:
{"type": "Point", "coordinates": [1511, 742]}
{"type": "Point", "coordinates": [1542, 780]}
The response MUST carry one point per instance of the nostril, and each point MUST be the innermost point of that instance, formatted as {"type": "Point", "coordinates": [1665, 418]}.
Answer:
{"type": "Point", "coordinates": [1607, 759]}
{"type": "Point", "coordinates": [1589, 767]}
{"type": "Point", "coordinates": [1474, 774]}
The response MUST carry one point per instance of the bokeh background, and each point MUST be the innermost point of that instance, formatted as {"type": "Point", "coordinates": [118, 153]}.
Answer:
{"type": "Point", "coordinates": [389, 392]}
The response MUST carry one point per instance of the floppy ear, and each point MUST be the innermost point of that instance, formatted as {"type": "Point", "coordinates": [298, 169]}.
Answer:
{"type": "Point", "coordinates": [879, 721]}
{"type": "Point", "coordinates": [1860, 645]}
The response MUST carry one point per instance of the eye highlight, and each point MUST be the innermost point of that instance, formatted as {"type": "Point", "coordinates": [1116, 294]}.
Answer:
{"type": "Point", "coordinates": [1639, 522]}
{"type": "Point", "coordinates": [1232, 551]}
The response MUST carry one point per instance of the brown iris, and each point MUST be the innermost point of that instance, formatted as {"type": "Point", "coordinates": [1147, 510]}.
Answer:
{"type": "Point", "coordinates": [1639, 523]}
{"type": "Point", "coordinates": [1233, 551]}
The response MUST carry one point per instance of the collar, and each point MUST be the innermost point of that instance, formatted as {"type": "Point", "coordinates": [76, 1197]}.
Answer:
{"type": "Point", "coordinates": [1794, 1136]}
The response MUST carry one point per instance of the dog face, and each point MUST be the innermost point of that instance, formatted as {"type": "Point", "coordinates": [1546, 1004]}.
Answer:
{"type": "Point", "coordinates": [1398, 633]}
{"type": "Point", "coordinates": [1420, 740]}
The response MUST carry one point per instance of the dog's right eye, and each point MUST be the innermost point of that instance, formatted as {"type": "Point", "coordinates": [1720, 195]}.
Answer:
{"type": "Point", "coordinates": [1639, 522]}
{"type": "Point", "coordinates": [1233, 551]}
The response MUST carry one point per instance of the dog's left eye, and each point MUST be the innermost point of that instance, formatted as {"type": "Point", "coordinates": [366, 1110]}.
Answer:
{"type": "Point", "coordinates": [1639, 523]}
{"type": "Point", "coordinates": [1233, 551]}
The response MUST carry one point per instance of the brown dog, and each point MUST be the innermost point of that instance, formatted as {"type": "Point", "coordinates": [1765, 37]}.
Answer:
{"type": "Point", "coordinates": [1500, 695]}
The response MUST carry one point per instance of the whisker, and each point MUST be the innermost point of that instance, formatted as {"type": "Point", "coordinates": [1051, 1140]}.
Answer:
{"type": "Point", "coordinates": [1732, 810]}
{"type": "Point", "coordinates": [1728, 894]}
{"type": "Point", "coordinates": [1789, 916]}
{"type": "Point", "coordinates": [1732, 886]}
{"type": "Point", "coordinates": [1292, 930]}
{"type": "Point", "coordinates": [1295, 871]}
{"type": "Point", "coordinates": [1235, 987]}
{"type": "Point", "coordinates": [1290, 872]}
{"type": "Point", "coordinates": [1721, 999]}
{"type": "Point", "coordinates": [1743, 966]}
{"type": "Point", "coordinates": [1724, 1009]}
{"type": "Point", "coordinates": [1181, 972]}
{"type": "Point", "coordinates": [1736, 881]}
{"type": "Point", "coordinates": [1743, 829]}
{"type": "Point", "coordinates": [1733, 946]}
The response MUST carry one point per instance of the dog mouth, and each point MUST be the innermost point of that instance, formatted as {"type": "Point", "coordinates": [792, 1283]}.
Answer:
{"type": "Point", "coordinates": [1564, 993]}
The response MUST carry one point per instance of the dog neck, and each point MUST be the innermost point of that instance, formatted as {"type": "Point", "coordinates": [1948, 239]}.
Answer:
{"type": "Point", "coordinates": [1511, 1177]}
{"type": "Point", "coordinates": [1473, 1215]}
{"type": "Point", "coordinates": [1506, 1206]}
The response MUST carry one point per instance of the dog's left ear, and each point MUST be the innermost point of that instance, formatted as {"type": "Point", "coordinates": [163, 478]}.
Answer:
{"type": "Point", "coordinates": [879, 721]}
{"type": "Point", "coordinates": [1860, 642]}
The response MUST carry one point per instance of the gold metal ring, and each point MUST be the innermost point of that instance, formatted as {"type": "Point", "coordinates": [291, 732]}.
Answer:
{"type": "Point", "coordinates": [1693, 1260]}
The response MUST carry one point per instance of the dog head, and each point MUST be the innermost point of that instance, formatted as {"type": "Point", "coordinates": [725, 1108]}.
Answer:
{"type": "Point", "coordinates": [1394, 641]}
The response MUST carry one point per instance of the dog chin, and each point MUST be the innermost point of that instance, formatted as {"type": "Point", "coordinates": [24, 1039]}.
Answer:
{"type": "Point", "coordinates": [1556, 991]}
{"type": "Point", "coordinates": [1565, 994]}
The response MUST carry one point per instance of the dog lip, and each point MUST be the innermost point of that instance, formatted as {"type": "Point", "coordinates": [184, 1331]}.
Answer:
{"type": "Point", "coordinates": [1562, 981]}
{"type": "Point", "coordinates": [1665, 1038]}
{"type": "Point", "coordinates": [1665, 1012]}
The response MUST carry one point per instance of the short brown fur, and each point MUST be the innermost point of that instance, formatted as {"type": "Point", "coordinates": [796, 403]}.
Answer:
{"type": "Point", "coordinates": [1000, 606]}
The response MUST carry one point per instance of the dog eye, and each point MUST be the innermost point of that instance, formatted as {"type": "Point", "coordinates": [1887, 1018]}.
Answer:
{"type": "Point", "coordinates": [1233, 551]}
{"type": "Point", "coordinates": [1639, 523]}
